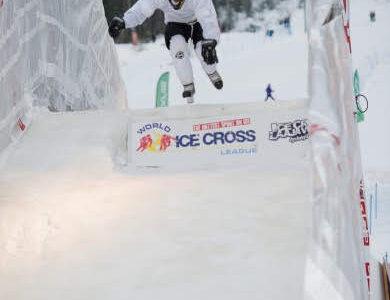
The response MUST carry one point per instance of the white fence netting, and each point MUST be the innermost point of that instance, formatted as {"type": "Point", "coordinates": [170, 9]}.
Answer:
{"type": "Point", "coordinates": [57, 54]}
{"type": "Point", "coordinates": [338, 265]}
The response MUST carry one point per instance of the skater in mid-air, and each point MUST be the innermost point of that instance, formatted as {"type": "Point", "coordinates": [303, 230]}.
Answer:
{"type": "Point", "coordinates": [185, 20]}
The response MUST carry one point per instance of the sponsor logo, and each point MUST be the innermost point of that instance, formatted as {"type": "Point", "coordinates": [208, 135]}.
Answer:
{"type": "Point", "coordinates": [154, 126]}
{"type": "Point", "coordinates": [239, 151]}
{"type": "Point", "coordinates": [161, 141]}
{"type": "Point", "coordinates": [294, 131]}
{"type": "Point", "coordinates": [179, 55]}
{"type": "Point", "coordinates": [155, 142]}
{"type": "Point", "coordinates": [216, 138]}
{"type": "Point", "coordinates": [156, 137]}
{"type": "Point", "coordinates": [222, 124]}
{"type": "Point", "coordinates": [366, 232]}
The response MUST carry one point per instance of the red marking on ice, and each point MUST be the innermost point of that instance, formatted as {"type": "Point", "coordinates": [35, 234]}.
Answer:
{"type": "Point", "coordinates": [21, 125]}
{"type": "Point", "coordinates": [346, 18]}
{"type": "Point", "coordinates": [317, 128]}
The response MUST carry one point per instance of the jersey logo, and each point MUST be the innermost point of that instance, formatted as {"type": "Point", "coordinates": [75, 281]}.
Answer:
{"type": "Point", "coordinates": [179, 55]}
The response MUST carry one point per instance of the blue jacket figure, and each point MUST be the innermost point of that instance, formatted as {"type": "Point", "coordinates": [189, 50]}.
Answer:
{"type": "Point", "coordinates": [269, 92]}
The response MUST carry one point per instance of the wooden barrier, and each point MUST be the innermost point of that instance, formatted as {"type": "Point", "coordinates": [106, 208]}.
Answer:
{"type": "Point", "coordinates": [386, 280]}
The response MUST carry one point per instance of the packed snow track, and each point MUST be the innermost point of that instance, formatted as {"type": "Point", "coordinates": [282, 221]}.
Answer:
{"type": "Point", "coordinates": [73, 225]}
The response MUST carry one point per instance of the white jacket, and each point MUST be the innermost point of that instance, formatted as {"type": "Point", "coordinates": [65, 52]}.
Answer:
{"type": "Point", "coordinates": [201, 10]}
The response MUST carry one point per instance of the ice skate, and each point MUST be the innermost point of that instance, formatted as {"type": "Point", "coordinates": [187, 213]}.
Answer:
{"type": "Point", "coordinates": [216, 80]}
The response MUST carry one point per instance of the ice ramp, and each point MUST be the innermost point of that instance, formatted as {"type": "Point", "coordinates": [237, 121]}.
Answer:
{"type": "Point", "coordinates": [74, 227]}
{"type": "Point", "coordinates": [267, 134]}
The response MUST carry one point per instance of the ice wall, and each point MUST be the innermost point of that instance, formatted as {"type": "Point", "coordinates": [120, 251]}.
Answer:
{"type": "Point", "coordinates": [57, 54]}
{"type": "Point", "coordinates": [338, 264]}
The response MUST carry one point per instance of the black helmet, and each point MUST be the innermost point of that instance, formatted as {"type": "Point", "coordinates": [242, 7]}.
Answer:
{"type": "Point", "coordinates": [177, 4]}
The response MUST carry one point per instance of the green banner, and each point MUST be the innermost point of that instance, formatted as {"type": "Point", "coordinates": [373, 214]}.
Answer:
{"type": "Point", "coordinates": [360, 117]}
{"type": "Point", "coordinates": [162, 93]}
{"type": "Point", "coordinates": [356, 83]}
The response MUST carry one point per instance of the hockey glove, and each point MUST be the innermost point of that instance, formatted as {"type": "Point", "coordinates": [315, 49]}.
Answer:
{"type": "Point", "coordinates": [116, 26]}
{"type": "Point", "coordinates": [209, 52]}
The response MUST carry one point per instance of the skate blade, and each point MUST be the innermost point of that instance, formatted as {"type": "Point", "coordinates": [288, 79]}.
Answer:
{"type": "Point", "coordinates": [190, 100]}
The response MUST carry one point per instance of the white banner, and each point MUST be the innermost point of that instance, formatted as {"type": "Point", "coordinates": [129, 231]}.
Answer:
{"type": "Point", "coordinates": [219, 135]}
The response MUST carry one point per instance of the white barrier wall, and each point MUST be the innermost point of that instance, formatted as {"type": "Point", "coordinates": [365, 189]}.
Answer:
{"type": "Point", "coordinates": [274, 136]}
{"type": "Point", "coordinates": [377, 284]}
{"type": "Point", "coordinates": [338, 265]}
{"type": "Point", "coordinates": [57, 54]}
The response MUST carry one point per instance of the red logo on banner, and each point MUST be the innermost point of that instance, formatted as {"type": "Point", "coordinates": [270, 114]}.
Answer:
{"type": "Point", "coordinates": [346, 18]}
{"type": "Point", "coordinates": [156, 143]}
{"type": "Point", "coordinates": [366, 232]}
{"type": "Point", "coordinates": [368, 275]}
{"type": "Point", "coordinates": [222, 124]}
{"type": "Point", "coordinates": [165, 142]}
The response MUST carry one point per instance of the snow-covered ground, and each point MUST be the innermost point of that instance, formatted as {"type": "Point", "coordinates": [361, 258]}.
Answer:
{"type": "Point", "coordinates": [74, 225]}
